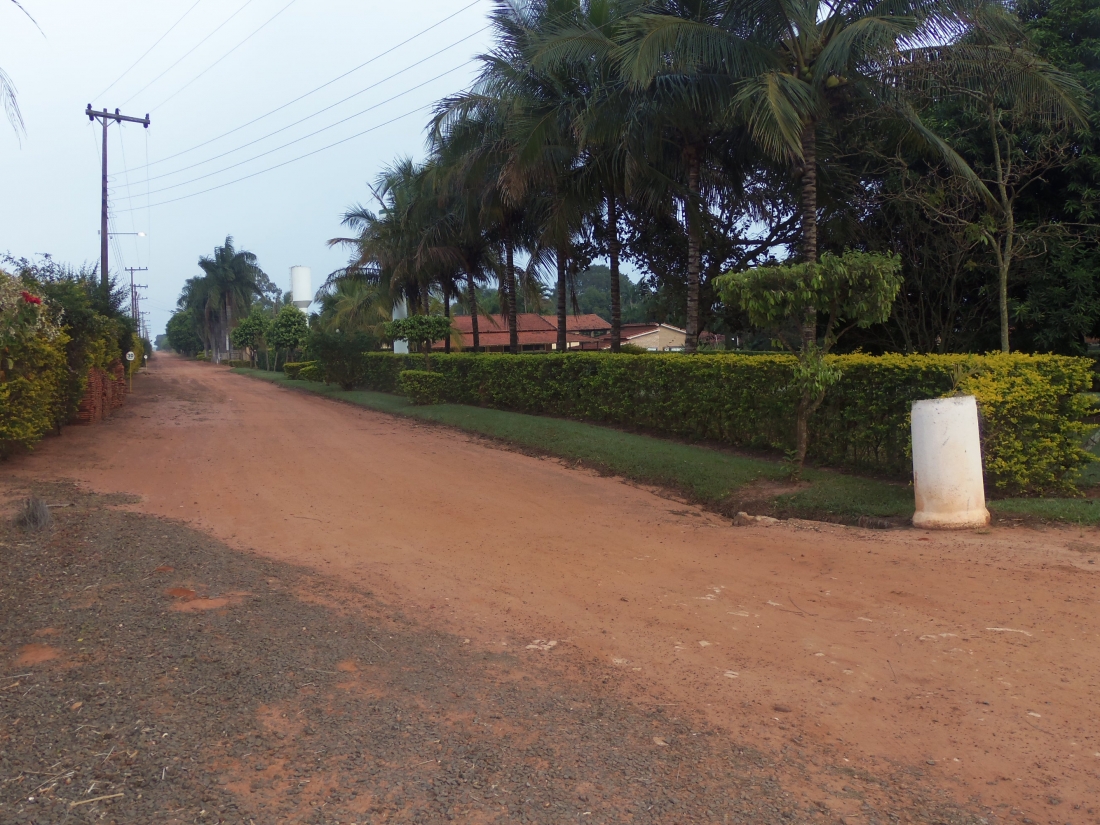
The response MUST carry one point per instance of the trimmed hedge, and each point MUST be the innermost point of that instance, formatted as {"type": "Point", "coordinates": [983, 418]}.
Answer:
{"type": "Point", "coordinates": [294, 368]}
{"type": "Point", "coordinates": [1032, 413]}
{"type": "Point", "coordinates": [312, 372]}
{"type": "Point", "coordinates": [423, 387]}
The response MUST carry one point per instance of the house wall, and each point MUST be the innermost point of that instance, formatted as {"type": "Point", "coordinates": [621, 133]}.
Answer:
{"type": "Point", "coordinates": [661, 339]}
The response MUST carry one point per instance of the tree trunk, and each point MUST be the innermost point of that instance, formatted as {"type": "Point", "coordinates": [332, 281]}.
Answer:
{"type": "Point", "coordinates": [447, 314]}
{"type": "Point", "coordinates": [510, 297]}
{"type": "Point", "coordinates": [613, 257]}
{"type": "Point", "coordinates": [806, 404]}
{"type": "Point", "coordinates": [471, 291]}
{"type": "Point", "coordinates": [562, 317]}
{"type": "Point", "coordinates": [693, 217]}
{"type": "Point", "coordinates": [1002, 248]}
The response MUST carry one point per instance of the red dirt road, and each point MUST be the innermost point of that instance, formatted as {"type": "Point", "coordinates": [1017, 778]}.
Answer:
{"type": "Point", "coordinates": [972, 657]}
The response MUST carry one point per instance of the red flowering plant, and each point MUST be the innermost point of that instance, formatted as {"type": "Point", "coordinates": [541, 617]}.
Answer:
{"type": "Point", "coordinates": [31, 299]}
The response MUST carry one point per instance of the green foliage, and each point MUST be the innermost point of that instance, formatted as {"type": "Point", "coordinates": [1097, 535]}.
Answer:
{"type": "Point", "coordinates": [856, 289]}
{"type": "Point", "coordinates": [312, 372]}
{"type": "Point", "coordinates": [632, 349]}
{"type": "Point", "coordinates": [294, 368]}
{"type": "Point", "coordinates": [421, 330]}
{"type": "Point", "coordinates": [182, 333]}
{"type": "Point", "coordinates": [33, 367]}
{"type": "Point", "coordinates": [422, 387]}
{"type": "Point", "coordinates": [853, 289]}
{"type": "Point", "coordinates": [251, 330]}
{"type": "Point", "coordinates": [340, 355]}
{"type": "Point", "coordinates": [289, 330]}
{"type": "Point", "coordinates": [1030, 405]}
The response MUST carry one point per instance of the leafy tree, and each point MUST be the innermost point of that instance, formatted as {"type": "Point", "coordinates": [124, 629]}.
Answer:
{"type": "Point", "coordinates": [855, 289]}
{"type": "Point", "coordinates": [183, 334]}
{"type": "Point", "coordinates": [288, 332]}
{"type": "Point", "coordinates": [421, 330]}
{"type": "Point", "coordinates": [250, 333]}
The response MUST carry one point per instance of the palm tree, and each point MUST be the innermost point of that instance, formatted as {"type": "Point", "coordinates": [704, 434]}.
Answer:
{"type": "Point", "coordinates": [677, 110]}
{"type": "Point", "coordinates": [790, 65]}
{"type": "Point", "coordinates": [232, 277]}
{"type": "Point", "coordinates": [7, 88]}
{"type": "Point", "coordinates": [199, 296]}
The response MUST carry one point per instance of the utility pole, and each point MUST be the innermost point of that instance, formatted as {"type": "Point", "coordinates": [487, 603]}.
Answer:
{"type": "Point", "coordinates": [133, 290]}
{"type": "Point", "coordinates": [107, 117]}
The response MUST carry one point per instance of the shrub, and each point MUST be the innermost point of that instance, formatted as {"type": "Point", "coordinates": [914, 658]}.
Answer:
{"type": "Point", "coordinates": [1032, 417]}
{"type": "Point", "coordinates": [632, 349]}
{"type": "Point", "coordinates": [294, 368]}
{"type": "Point", "coordinates": [422, 387]}
{"type": "Point", "coordinates": [34, 372]}
{"type": "Point", "coordinates": [341, 355]}
{"type": "Point", "coordinates": [238, 363]}
{"type": "Point", "coordinates": [312, 371]}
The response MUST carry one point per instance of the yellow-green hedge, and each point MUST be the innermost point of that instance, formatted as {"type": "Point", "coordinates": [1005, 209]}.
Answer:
{"type": "Point", "coordinates": [33, 381]}
{"type": "Point", "coordinates": [293, 368]}
{"type": "Point", "coordinates": [1032, 414]}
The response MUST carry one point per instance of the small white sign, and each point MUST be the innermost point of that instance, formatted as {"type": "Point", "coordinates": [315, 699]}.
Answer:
{"type": "Point", "coordinates": [130, 356]}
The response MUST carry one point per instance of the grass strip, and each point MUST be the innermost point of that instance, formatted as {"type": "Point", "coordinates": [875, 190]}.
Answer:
{"type": "Point", "coordinates": [711, 476]}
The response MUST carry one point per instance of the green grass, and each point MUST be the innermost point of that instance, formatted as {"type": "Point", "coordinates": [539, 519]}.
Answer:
{"type": "Point", "coordinates": [710, 476]}
{"type": "Point", "coordinates": [1085, 511]}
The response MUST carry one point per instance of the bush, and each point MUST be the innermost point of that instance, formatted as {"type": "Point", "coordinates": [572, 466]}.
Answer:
{"type": "Point", "coordinates": [34, 371]}
{"type": "Point", "coordinates": [1032, 416]}
{"type": "Point", "coordinates": [422, 387]}
{"type": "Point", "coordinates": [238, 363]}
{"type": "Point", "coordinates": [293, 369]}
{"type": "Point", "coordinates": [312, 372]}
{"type": "Point", "coordinates": [341, 355]}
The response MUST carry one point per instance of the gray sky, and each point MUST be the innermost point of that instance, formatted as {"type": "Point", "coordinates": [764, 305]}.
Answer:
{"type": "Point", "coordinates": [52, 174]}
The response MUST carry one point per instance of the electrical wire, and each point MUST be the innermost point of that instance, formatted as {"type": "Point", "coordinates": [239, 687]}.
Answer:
{"type": "Point", "coordinates": [322, 86]}
{"type": "Point", "coordinates": [162, 74]}
{"type": "Point", "coordinates": [173, 26]}
{"type": "Point", "coordinates": [321, 111]}
{"type": "Point", "coordinates": [300, 157]}
{"type": "Point", "coordinates": [311, 134]}
{"type": "Point", "coordinates": [224, 56]}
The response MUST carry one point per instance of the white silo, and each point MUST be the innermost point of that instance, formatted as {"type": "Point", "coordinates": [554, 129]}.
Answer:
{"type": "Point", "coordinates": [301, 286]}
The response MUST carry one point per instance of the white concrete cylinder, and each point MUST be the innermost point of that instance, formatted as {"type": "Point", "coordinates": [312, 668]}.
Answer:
{"type": "Point", "coordinates": [947, 464]}
{"type": "Point", "coordinates": [400, 312]}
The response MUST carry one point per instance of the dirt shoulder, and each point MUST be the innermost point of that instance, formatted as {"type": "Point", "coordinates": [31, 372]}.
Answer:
{"type": "Point", "coordinates": [964, 663]}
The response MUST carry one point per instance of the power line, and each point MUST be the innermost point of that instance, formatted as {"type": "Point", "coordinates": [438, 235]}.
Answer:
{"type": "Point", "coordinates": [162, 74]}
{"type": "Point", "coordinates": [312, 134]}
{"type": "Point", "coordinates": [322, 86]}
{"type": "Point", "coordinates": [224, 56]}
{"type": "Point", "coordinates": [173, 26]}
{"type": "Point", "coordinates": [293, 160]}
{"type": "Point", "coordinates": [321, 111]}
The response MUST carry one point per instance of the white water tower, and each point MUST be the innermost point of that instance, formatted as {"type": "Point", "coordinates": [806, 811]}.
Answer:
{"type": "Point", "coordinates": [301, 286]}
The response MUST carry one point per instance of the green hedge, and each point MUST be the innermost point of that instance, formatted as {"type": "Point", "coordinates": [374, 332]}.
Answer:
{"type": "Point", "coordinates": [423, 387]}
{"type": "Point", "coordinates": [294, 368]}
{"type": "Point", "coordinates": [1032, 413]}
{"type": "Point", "coordinates": [312, 372]}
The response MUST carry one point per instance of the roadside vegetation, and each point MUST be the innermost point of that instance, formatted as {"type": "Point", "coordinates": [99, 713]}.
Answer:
{"type": "Point", "coordinates": [865, 198]}
{"type": "Point", "coordinates": [61, 332]}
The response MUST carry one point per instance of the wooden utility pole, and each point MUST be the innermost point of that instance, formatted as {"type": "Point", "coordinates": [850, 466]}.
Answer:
{"type": "Point", "coordinates": [133, 291]}
{"type": "Point", "coordinates": [107, 117]}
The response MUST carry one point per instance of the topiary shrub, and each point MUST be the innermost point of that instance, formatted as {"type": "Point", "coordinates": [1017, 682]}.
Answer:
{"type": "Point", "coordinates": [293, 369]}
{"type": "Point", "coordinates": [312, 372]}
{"type": "Point", "coordinates": [423, 387]}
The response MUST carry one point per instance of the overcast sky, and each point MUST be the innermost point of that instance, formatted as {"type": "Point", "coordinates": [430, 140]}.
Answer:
{"type": "Point", "coordinates": [51, 174]}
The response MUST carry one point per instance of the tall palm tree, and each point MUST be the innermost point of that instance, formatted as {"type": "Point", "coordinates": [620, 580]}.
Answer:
{"type": "Point", "coordinates": [792, 63]}
{"type": "Point", "coordinates": [233, 279]}
{"type": "Point", "coordinates": [677, 108]}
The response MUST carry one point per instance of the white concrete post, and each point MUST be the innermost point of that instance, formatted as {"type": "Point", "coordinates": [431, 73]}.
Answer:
{"type": "Point", "coordinates": [400, 311]}
{"type": "Point", "coordinates": [947, 464]}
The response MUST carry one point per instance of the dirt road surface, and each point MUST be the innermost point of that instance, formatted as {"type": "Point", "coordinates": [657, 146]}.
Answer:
{"type": "Point", "coordinates": [967, 660]}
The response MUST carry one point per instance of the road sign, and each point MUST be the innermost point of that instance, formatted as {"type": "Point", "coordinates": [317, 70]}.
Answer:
{"type": "Point", "coordinates": [130, 356]}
